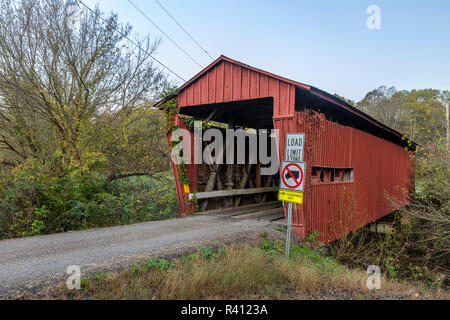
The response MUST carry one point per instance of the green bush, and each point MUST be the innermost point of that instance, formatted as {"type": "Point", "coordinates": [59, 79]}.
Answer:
{"type": "Point", "coordinates": [209, 253]}
{"type": "Point", "coordinates": [36, 200]}
{"type": "Point", "coordinates": [272, 246]}
{"type": "Point", "coordinates": [159, 264]}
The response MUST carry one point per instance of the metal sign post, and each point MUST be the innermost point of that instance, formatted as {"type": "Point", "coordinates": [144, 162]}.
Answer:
{"type": "Point", "coordinates": [288, 231]}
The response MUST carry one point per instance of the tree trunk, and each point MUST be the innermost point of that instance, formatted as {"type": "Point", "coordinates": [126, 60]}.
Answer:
{"type": "Point", "coordinates": [447, 124]}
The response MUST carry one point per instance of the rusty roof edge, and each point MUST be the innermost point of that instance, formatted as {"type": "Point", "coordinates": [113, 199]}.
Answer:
{"type": "Point", "coordinates": [341, 103]}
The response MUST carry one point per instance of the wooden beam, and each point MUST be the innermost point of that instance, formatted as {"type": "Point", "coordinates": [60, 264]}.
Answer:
{"type": "Point", "coordinates": [211, 115]}
{"type": "Point", "coordinates": [258, 174]}
{"type": "Point", "coordinates": [266, 184]}
{"type": "Point", "coordinates": [227, 202]}
{"type": "Point", "coordinates": [233, 192]}
{"type": "Point", "coordinates": [214, 169]}
{"type": "Point", "coordinates": [258, 179]}
{"type": "Point", "coordinates": [245, 173]}
{"type": "Point", "coordinates": [210, 184]}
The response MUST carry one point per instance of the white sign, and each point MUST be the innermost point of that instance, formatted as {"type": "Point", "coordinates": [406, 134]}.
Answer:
{"type": "Point", "coordinates": [292, 176]}
{"type": "Point", "coordinates": [295, 144]}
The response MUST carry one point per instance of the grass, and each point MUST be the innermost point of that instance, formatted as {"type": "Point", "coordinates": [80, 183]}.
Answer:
{"type": "Point", "coordinates": [237, 272]}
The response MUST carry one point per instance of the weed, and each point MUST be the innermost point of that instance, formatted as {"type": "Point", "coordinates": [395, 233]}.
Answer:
{"type": "Point", "coordinates": [159, 264]}
{"type": "Point", "coordinates": [209, 253]}
{"type": "Point", "coordinates": [84, 282]}
{"type": "Point", "coordinates": [313, 236]}
{"type": "Point", "coordinates": [100, 276]}
{"type": "Point", "coordinates": [188, 258]}
{"type": "Point", "coordinates": [273, 246]}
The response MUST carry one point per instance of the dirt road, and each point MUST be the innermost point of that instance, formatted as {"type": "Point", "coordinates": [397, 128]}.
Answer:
{"type": "Point", "coordinates": [28, 264]}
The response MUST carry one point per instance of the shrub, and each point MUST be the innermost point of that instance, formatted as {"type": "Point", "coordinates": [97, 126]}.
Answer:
{"type": "Point", "coordinates": [37, 199]}
{"type": "Point", "coordinates": [159, 264]}
{"type": "Point", "coordinates": [209, 253]}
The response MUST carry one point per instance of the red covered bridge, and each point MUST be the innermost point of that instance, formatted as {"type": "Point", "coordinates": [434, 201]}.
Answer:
{"type": "Point", "coordinates": [357, 169]}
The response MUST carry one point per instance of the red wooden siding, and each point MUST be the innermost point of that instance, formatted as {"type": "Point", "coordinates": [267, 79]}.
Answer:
{"type": "Point", "coordinates": [230, 82]}
{"type": "Point", "coordinates": [191, 171]}
{"type": "Point", "coordinates": [382, 171]}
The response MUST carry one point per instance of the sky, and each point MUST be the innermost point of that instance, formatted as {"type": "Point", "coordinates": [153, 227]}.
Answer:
{"type": "Point", "coordinates": [325, 43]}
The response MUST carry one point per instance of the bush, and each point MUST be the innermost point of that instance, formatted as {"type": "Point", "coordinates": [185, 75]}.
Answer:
{"type": "Point", "coordinates": [420, 250]}
{"type": "Point", "coordinates": [159, 264]}
{"type": "Point", "coordinates": [36, 200]}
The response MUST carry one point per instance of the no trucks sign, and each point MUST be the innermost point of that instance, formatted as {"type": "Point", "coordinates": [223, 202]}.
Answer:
{"type": "Point", "coordinates": [292, 176]}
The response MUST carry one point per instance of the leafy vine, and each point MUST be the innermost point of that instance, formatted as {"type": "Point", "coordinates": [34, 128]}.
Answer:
{"type": "Point", "coordinates": [190, 123]}
{"type": "Point", "coordinates": [171, 110]}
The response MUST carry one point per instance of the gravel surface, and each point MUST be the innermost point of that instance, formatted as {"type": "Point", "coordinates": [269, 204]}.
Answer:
{"type": "Point", "coordinates": [29, 264]}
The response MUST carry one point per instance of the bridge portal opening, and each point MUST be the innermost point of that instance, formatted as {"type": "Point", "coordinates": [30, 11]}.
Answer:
{"type": "Point", "coordinates": [243, 177]}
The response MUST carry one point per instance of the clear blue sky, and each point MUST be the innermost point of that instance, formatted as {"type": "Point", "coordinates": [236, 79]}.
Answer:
{"type": "Point", "coordinates": [322, 43]}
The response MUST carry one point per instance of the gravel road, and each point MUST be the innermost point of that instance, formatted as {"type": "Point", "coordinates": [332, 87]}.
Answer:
{"type": "Point", "coordinates": [29, 264]}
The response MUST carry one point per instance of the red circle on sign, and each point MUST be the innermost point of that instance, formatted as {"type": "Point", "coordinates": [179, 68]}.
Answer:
{"type": "Point", "coordinates": [298, 182]}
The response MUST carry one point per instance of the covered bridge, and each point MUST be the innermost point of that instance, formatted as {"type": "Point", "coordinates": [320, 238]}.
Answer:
{"type": "Point", "coordinates": [357, 169]}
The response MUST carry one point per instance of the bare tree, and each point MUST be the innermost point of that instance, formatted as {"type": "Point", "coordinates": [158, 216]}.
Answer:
{"type": "Point", "coordinates": [384, 104]}
{"type": "Point", "coordinates": [445, 97]}
{"type": "Point", "coordinates": [60, 81]}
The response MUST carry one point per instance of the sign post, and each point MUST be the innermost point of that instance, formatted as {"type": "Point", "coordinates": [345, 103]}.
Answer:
{"type": "Point", "coordinates": [292, 178]}
{"type": "Point", "coordinates": [288, 231]}
{"type": "Point", "coordinates": [291, 190]}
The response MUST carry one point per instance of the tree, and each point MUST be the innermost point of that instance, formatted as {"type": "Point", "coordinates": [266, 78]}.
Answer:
{"type": "Point", "coordinates": [425, 113]}
{"type": "Point", "coordinates": [445, 97]}
{"type": "Point", "coordinates": [349, 101]}
{"type": "Point", "coordinates": [384, 104]}
{"type": "Point", "coordinates": [61, 85]}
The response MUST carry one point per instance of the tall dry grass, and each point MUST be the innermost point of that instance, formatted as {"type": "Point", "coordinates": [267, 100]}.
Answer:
{"type": "Point", "coordinates": [244, 272]}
